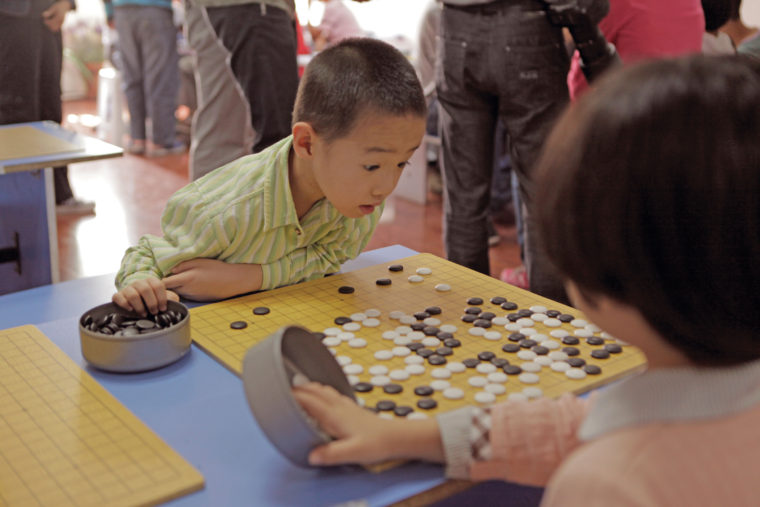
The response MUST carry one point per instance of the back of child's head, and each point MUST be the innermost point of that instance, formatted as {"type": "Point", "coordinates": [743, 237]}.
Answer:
{"type": "Point", "coordinates": [717, 13]}
{"type": "Point", "coordinates": [649, 192]}
{"type": "Point", "coordinates": [352, 77]}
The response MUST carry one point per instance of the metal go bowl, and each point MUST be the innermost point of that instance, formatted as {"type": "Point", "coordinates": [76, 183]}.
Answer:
{"type": "Point", "coordinates": [268, 371]}
{"type": "Point", "coordinates": [142, 352]}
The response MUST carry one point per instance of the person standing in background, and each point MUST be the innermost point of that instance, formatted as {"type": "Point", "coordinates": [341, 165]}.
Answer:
{"type": "Point", "coordinates": [150, 72]}
{"type": "Point", "coordinates": [338, 23]}
{"type": "Point", "coordinates": [31, 57]}
{"type": "Point", "coordinates": [715, 42]}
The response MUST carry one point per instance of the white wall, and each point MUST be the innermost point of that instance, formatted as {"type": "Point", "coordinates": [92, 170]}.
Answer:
{"type": "Point", "coordinates": [751, 12]}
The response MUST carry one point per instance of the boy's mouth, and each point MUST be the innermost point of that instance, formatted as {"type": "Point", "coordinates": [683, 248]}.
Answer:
{"type": "Point", "coordinates": [367, 208]}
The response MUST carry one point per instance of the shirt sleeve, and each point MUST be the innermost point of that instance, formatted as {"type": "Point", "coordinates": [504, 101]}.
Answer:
{"type": "Point", "coordinates": [322, 257]}
{"type": "Point", "coordinates": [190, 230]}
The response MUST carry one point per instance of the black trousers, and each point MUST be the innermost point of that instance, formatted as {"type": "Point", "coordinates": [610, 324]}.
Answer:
{"type": "Point", "coordinates": [261, 40]}
{"type": "Point", "coordinates": [30, 76]}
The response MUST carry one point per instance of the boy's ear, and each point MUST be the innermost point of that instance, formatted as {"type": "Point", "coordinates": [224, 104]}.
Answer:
{"type": "Point", "coordinates": [303, 139]}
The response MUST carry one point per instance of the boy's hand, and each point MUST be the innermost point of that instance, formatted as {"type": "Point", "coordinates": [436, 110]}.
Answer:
{"type": "Point", "coordinates": [143, 296]}
{"type": "Point", "coordinates": [210, 279]}
{"type": "Point", "coordinates": [54, 15]}
{"type": "Point", "coordinates": [361, 436]}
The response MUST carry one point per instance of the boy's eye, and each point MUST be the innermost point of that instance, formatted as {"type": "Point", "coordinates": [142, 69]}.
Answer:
{"type": "Point", "coordinates": [403, 164]}
{"type": "Point", "coordinates": [371, 167]}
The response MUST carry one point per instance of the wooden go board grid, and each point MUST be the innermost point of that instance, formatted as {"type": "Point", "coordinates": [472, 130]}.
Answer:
{"type": "Point", "coordinates": [315, 304]}
{"type": "Point", "coordinates": [64, 440]}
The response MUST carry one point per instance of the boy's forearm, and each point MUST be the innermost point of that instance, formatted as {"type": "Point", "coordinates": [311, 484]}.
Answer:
{"type": "Point", "coordinates": [248, 277]}
{"type": "Point", "coordinates": [419, 439]}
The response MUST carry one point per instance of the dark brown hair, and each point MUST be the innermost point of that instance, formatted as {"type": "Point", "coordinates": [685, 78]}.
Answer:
{"type": "Point", "coordinates": [353, 76]}
{"type": "Point", "coordinates": [650, 194]}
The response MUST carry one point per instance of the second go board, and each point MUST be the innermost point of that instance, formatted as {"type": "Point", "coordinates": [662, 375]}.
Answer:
{"type": "Point", "coordinates": [390, 348]}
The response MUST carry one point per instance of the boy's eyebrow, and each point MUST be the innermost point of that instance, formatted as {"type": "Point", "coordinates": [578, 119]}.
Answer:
{"type": "Point", "coordinates": [380, 149]}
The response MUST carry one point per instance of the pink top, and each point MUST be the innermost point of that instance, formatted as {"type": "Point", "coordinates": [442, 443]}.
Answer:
{"type": "Point", "coordinates": [339, 23]}
{"type": "Point", "coordinates": [647, 28]}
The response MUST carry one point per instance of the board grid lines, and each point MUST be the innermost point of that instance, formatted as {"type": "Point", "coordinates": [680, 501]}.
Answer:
{"type": "Point", "coordinates": [64, 440]}
{"type": "Point", "coordinates": [315, 304]}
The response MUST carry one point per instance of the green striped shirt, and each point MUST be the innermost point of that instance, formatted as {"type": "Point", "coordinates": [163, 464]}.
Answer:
{"type": "Point", "coordinates": [243, 212]}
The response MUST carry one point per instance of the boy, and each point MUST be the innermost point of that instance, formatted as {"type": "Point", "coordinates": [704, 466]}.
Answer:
{"type": "Point", "coordinates": [299, 209]}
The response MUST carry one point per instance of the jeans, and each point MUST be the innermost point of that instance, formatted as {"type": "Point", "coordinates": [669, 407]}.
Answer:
{"type": "Point", "coordinates": [501, 60]}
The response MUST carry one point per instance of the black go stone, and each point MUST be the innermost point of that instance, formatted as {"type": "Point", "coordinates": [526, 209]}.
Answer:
{"type": "Point", "coordinates": [516, 337]}
{"type": "Point", "coordinates": [511, 347]}
{"type": "Point", "coordinates": [395, 267]}
{"type": "Point", "coordinates": [513, 317]}
{"type": "Point", "coordinates": [613, 348]}
{"type": "Point", "coordinates": [576, 362]}
{"type": "Point", "coordinates": [469, 318]}
{"type": "Point", "coordinates": [486, 355]}
{"type": "Point", "coordinates": [385, 405]}
{"type": "Point", "coordinates": [423, 352]}
{"type": "Point", "coordinates": [342, 320]}
{"type": "Point", "coordinates": [594, 340]}
{"type": "Point", "coordinates": [565, 317]}
{"type": "Point", "coordinates": [527, 343]}
{"type": "Point", "coordinates": [238, 324]}
{"type": "Point", "coordinates": [392, 388]}
{"type": "Point", "coordinates": [592, 369]}
{"type": "Point", "coordinates": [383, 281]}
{"type": "Point", "coordinates": [512, 369]}
{"type": "Point", "coordinates": [600, 354]}
{"type": "Point", "coordinates": [509, 306]}
{"type": "Point", "coordinates": [427, 403]}
{"type": "Point", "coordinates": [346, 289]}
{"type": "Point", "coordinates": [499, 362]}
{"type": "Point", "coordinates": [423, 390]}
{"type": "Point", "coordinates": [473, 310]}
{"type": "Point", "coordinates": [487, 315]}
{"type": "Point", "coordinates": [452, 343]}
{"type": "Point", "coordinates": [433, 310]}
{"type": "Point", "coordinates": [444, 335]}
{"type": "Point", "coordinates": [475, 301]}
{"type": "Point", "coordinates": [540, 350]}
{"type": "Point", "coordinates": [363, 387]}
{"type": "Point", "coordinates": [571, 351]}
{"type": "Point", "coordinates": [415, 346]}
{"type": "Point", "coordinates": [523, 313]}
{"type": "Point", "coordinates": [418, 326]}
{"type": "Point", "coordinates": [498, 300]}
{"type": "Point", "coordinates": [484, 323]}
{"type": "Point", "coordinates": [471, 362]}
{"type": "Point", "coordinates": [431, 331]}
{"type": "Point", "coordinates": [403, 410]}
{"type": "Point", "coordinates": [260, 310]}
{"type": "Point", "coordinates": [553, 313]}
{"type": "Point", "coordinates": [570, 340]}
{"type": "Point", "coordinates": [421, 315]}
{"type": "Point", "coordinates": [436, 360]}
{"type": "Point", "coordinates": [444, 351]}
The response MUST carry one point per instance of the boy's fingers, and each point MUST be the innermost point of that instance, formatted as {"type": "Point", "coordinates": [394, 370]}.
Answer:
{"type": "Point", "coordinates": [314, 406]}
{"type": "Point", "coordinates": [159, 291]}
{"type": "Point", "coordinates": [171, 295]}
{"type": "Point", "coordinates": [174, 281]}
{"type": "Point", "coordinates": [119, 300]}
{"type": "Point", "coordinates": [337, 452]}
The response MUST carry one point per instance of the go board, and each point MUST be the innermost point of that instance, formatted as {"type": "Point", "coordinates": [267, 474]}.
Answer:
{"type": "Point", "coordinates": [64, 440]}
{"type": "Point", "coordinates": [316, 304]}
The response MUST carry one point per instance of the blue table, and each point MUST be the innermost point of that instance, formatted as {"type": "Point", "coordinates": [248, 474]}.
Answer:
{"type": "Point", "coordinates": [199, 408]}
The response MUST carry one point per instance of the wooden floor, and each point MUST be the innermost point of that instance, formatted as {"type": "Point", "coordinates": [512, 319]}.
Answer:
{"type": "Point", "coordinates": [130, 194]}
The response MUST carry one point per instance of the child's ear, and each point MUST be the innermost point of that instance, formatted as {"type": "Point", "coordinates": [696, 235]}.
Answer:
{"type": "Point", "coordinates": [303, 139]}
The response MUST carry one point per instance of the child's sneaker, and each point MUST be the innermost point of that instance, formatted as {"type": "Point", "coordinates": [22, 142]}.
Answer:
{"type": "Point", "coordinates": [162, 151]}
{"type": "Point", "coordinates": [74, 206]}
{"type": "Point", "coordinates": [515, 276]}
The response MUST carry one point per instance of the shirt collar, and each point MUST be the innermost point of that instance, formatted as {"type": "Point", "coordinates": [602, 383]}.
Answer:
{"type": "Point", "coordinates": [673, 395]}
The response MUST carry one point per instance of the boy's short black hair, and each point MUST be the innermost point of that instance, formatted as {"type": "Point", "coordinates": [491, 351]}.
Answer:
{"type": "Point", "coordinates": [717, 13]}
{"type": "Point", "coordinates": [353, 76]}
{"type": "Point", "coordinates": [736, 6]}
{"type": "Point", "coordinates": [650, 194]}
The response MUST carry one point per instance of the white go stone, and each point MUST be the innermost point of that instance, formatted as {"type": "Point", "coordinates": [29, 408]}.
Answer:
{"type": "Point", "coordinates": [583, 333]}
{"type": "Point", "coordinates": [385, 415]}
{"type": "Point", "coordinates": [370, 322]}
{"type": "Point", "coordinates": [539, 317]}
{"type": "Point", "coordinates": [353, 369]}
{"type": "Point", "coordinates": [331, 341]}
{"type": "Point", "coordinates": [352, 326]}
{"type": "Point", "coordinates": [402, 340]}
{"type": "Point", "coordinates": [333, 351]}
{"type": "Point", "coordinates": [528, 331]}
{"type": "Point", "coordinates": [559, 333]}
{"type": "Point", "coordinates": [441, 373]}
{"type": "Point", "coordinates": [407, 319]}
{"type": "Point", "coordinates": [343, 360]}
{"type": "Point", "coordinates": [550, 344]}
{"type": "Point", "coordinates": [431, 321]}
{"type": "Point", "coordinates": [401, 351]}
{"type": "Point", "coordinates": [525, 322]}
{"type": "Point", "coordinates": [440, 385]}
{"type": "Point", "coordinates": [543, 360]}
{"type": "Point", "coordinates": [496, 389]}
{"type": "Point", "coordinates": [449, 328]}
{"type": "Point", "coordinates": [484, 398]}
{"type": "Point", "coordinates": [485, 368]}
{"type": "Point", "coordinates": [532, 392]}
{"type": "Point", "coordinates": [526, 355]}
{"type": "Point", "coordinates": [560, 366]}
{"type": "Point", "coordinates": [378, 369]}
{"type": "Point", "coordinates": [539, 337]}
{"type": "Point", "coordinates": [492, 335]}
{"type": "Point", "coordinates": [424, 271]}
{"type": "Point", "coordinates": [383, 355]}
{"type": "Point", "coordinates": [357, 343]}
{"type": "Point", "coordinates": [500, 321]}
{"type": "Point", "coordinates": [373, 312]}
{"type": "Point", "coordinates": [477, 331]}
{"type": "Point", "coordinates": [352, 379]}
{"type": "Point", "coordinates": [357, 317]}
{"type": "Point", "coordinates": [415, 369]}
{"type": "Point", "coordinates": [497, 377]}
{"type": "Point", "coordinates": [528, 378]}
{"type": "Point", "coordinates": [399, 374]}
{"type": "Point", "coordinates": [477, 381]}
{"type": "Point", "coordinates": [403, 329]}
{"type": "Point", "coordinates": [345, 336]}
{"type": "Point", "coordinates": [512, 327]}
{"type": "Point", "coordinates": [416, 336]}
{"type": "Point", "coordinates": [390, 335]}
{"type": "Point", "coordinates": [380, 380]}
{"type": "Point", "coordinates": [431, 341]}
{"type": "Point", "coordinates": [414, 360]}
{"type": "Point", "coordinates": [442, 287]}
{"type": "Point", "coordinates": [606, 335]}
{"type": "Point", "coordinates": [575, 374]}
{"type": "Point", "coordinates": [453, 393]}
{"type": "Point", "coordinates": [531, 367]}
{"type": "Point", "coordinates": [578, 323]}
{"type": "Point", "coordinates": [552, 322]}
{"type": "Point", "coordinates": [593, 328]}
{"type": "Point", "coordinates": [417, 415]}
{"type": "Point", "coordinates": [538, 309]}
{"type": "Point", "coordinates": [415, 279]}
{"type": "Point", "coordinates": [456, 367]}
{"type": "Point", "coordinates": [517, 397]}
{"type": "Point", "coordinates": [396, 314]}
{"type": "Point", "coordinates": [332, 331]}
{"type": "Point", "coordinates": [558, 355]}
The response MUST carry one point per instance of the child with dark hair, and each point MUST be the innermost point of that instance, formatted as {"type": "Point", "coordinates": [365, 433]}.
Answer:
{"type": "Point", "coordinates": [299, 209]}
{"type": "Point", "coordinates": [717, 14]}
{"type": "Point", "coordinates": [650, 192]}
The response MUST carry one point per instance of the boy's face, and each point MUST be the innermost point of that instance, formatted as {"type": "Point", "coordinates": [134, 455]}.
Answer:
{"type": "Point", "coordinates": [358, 171]}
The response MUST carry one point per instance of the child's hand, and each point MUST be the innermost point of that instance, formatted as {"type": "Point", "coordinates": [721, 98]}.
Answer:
{"type": "Point", "coordinates": [210, 279]}
{"type": "Point", "coordinates": [149, 292]}
{"type": "Point", "coordinates": [54, 15]}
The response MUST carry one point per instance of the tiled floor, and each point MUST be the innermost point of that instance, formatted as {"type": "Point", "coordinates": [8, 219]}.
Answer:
{"type": "Point", "coordinates": [130, 194]}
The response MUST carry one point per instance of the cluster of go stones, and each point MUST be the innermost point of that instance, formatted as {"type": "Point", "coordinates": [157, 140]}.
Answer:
{"type": "Point", "coordinates": [117, 324]}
